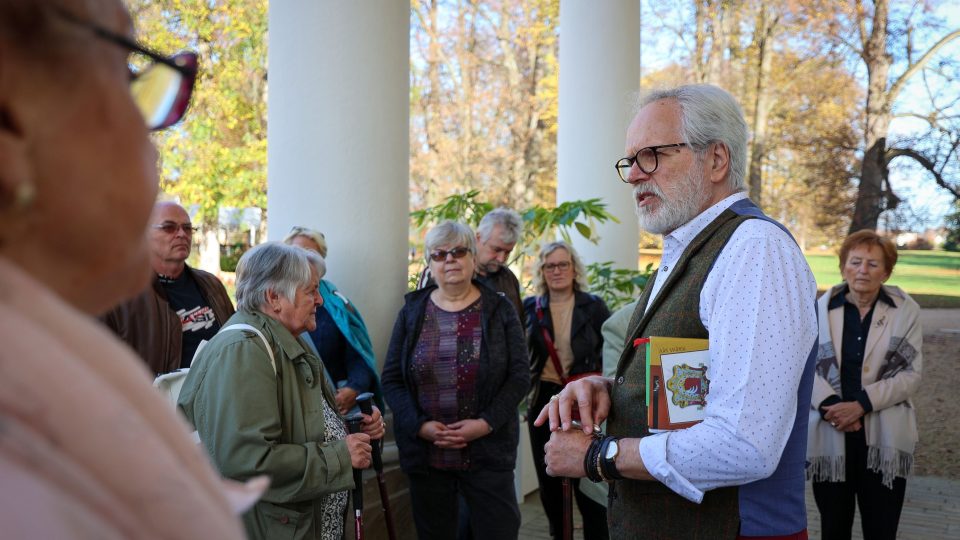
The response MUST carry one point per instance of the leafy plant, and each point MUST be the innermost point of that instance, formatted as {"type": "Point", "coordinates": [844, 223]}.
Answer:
{"type": "Point", "coordinates": [617, 286]}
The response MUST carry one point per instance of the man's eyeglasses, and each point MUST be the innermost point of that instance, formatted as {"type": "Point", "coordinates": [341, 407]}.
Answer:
{"type": "Point", "coordinates": [561, 266]}
{"type": "Point", "coordinates": [646, 158]}
{"type": "Point", "coordinates": [441, 255]}
{"type": "Point", "coordinates": [170, 227]}
{"type": "Point", "coordinates": [161, 85]}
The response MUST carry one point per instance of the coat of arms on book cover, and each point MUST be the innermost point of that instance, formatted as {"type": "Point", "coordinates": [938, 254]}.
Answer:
{"type": "Point", "coordinates": [689, 386]}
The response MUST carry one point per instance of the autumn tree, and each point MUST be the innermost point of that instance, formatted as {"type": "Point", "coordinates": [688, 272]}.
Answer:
{"type": "Point", "coordinates": [883, 35]}
{"type": "Point", "coordinates": [483, 104]}
{"type": "Point", "coordinates": [800, 104]}
{"type": "Point", "coordinates": [217, 157]}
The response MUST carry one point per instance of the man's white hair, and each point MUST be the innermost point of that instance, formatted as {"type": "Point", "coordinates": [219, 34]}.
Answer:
{"type": "Point", "coordinates": [709, 114]}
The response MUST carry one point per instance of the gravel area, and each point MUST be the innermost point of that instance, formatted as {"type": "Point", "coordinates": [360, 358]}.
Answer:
{"type": "Point", "coordinates": [938, 400]}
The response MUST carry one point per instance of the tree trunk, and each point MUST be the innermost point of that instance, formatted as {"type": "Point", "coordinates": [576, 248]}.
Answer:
{"type": "Point", "coordinates": [873, 170]}
{"type": "Point", "coordinates": [761, 105]}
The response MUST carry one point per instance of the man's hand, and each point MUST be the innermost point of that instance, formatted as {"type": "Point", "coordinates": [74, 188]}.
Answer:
{"type": "Point", "coordinates": [844, 416]}
{"type": "Point", "coordinates": [565, 452]}
{"type": "Point", "coordinates": [589, 397]}
{"type": "Point", "coordinates": [346, 398]}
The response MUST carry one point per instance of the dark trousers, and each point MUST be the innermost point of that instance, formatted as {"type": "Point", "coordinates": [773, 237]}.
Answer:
{"type": "Point", "coordinates": [551, 490]}
{"type": "Point", "coordinates": [879, 505]}
{"type": "Point", "coordinates": [489, 495]}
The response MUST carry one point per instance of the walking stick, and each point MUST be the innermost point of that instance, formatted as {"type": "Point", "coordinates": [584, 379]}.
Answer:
{"type": "Point", "coordinates": [567, 509]}
{"type": "Point", "coordinates": [354, 426]}
{"type": "Point", "coordinates": [366, 407]}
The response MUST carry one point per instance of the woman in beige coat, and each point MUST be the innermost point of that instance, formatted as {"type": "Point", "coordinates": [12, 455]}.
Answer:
{"type": "Point", "coordinates": [863, 427]}
{"type": "Point", "coordinates": [87, 448]}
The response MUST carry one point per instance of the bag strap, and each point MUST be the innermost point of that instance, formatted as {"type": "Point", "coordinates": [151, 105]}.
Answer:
{"type": "Point", "coordinates": [548, 341]}
{"type": "Point", "coordinates": [245, 326]}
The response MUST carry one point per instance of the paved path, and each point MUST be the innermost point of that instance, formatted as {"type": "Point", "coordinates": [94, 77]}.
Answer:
{"type": "Point", "coordinates": [931, 512]}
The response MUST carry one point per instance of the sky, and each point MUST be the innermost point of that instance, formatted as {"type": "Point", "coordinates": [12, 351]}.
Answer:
{"type": "Point", "coordinates": [925, 204]}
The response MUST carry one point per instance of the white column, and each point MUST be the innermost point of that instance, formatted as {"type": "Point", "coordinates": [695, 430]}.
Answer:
{"type": "Point", "coordinates": [599, 77]}
{"type": "Point", "coordinates": [338, 143]}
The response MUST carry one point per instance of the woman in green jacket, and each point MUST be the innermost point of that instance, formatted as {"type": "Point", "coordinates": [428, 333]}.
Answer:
{"type": "Point", "coordinates": [261, 410]}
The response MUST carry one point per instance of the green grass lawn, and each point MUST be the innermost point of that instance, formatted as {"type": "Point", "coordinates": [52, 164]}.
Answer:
{"type": "Point", "coordinates": [932, 278]}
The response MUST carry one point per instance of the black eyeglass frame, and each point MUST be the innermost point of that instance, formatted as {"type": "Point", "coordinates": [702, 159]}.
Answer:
{"type": "Point", "coordinates": [623, 165]}
{"type": "Point", "coordinates": [184, 62]}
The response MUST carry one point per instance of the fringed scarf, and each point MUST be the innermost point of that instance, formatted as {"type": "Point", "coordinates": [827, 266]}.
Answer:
{"type": "Point", "coordinates": [891, 432]}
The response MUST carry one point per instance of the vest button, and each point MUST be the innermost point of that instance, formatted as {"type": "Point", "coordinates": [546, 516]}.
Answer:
{"type": "Point", "coordinates": [284, 520]}
{"type": "Point", "coordinates": [620, 379]}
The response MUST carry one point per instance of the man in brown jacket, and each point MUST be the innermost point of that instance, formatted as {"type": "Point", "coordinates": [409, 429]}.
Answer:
{"type": "Point", "coordinates": [182, 305]}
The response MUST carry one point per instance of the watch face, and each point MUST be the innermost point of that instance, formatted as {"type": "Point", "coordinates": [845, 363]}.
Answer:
{"type": "Point", "coordinates": [612, 449]}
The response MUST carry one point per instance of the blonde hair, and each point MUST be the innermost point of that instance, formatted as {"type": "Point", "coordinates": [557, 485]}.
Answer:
{"type": "Point", "coordinates": [580, 283]}
{"type": "Point", "coordinates": [316, 236]}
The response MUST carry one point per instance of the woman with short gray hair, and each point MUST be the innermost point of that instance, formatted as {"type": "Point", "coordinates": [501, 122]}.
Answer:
{"type": "Point", "coordinates": [455, 372]}
{"type": "Point", "coordinates": [261, 404]}
{"type": "Point", "coordinates": [451, 233]}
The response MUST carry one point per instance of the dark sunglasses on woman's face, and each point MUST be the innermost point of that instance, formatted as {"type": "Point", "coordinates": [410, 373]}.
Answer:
{"type": "Point", "coordinates": [161, 86]}
{"type": "Point", "coordinates": [441, 255]}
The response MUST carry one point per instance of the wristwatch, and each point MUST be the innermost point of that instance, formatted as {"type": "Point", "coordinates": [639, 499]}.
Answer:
{"type": "Point", "coordinates": [613, 449]}
{"type": "Point", "coordinates": [610, 460]}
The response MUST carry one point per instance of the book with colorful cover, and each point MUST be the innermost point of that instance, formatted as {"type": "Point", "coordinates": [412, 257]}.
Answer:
{"type": "Point", "coordinates": [678, 383]}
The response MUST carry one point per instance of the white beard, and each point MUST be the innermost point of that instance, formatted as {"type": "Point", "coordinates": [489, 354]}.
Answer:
{"type": "Point", "coordinates": [684, 202]}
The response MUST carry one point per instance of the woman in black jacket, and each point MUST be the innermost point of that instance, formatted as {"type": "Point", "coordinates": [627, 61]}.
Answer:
{"type": "Point", "coordinates": [455, 373]}
{"type": "Point", "coordinates": [565, 343]}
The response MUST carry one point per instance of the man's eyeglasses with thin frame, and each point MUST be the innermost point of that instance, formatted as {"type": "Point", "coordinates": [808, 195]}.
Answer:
{"type": "Point", "coordinates": [647, 159]}
{"type": "Point", "coordinates": [163, 88]}
{"type": "Point", "coordinates": [169, 227]}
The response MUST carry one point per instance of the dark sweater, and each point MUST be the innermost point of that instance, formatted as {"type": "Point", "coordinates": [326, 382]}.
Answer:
{"type": "Point", "coordinates": [503, 380]}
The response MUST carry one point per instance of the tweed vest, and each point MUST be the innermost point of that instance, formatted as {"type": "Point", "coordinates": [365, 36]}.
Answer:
{"type": "Point", "coordinates": [650, 509]}
{"type": "Point", "coordinates": [773, 506]}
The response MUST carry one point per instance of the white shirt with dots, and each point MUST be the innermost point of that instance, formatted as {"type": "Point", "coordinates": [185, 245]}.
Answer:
{"type": "Point", "coordinates": [757, 303]}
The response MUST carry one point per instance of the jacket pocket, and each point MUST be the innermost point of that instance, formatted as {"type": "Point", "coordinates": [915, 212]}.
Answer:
{"type": "Point", "coordinates": [273, 521]}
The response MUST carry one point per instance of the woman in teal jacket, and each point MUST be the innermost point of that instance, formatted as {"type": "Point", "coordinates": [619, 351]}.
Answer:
{"type": "Point", "coordinates": [261, 404]}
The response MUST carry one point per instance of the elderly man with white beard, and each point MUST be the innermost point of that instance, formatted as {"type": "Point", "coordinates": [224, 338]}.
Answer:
{"type": "Point", "coordinates": [733, 276]}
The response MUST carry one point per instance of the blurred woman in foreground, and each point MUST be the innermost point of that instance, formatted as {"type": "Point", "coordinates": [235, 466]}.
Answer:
{"type": "Point", "coordinates": [863, 427]}
{"type": "Point", "coordinates": [87, 448]}
{"type": "Point", "coordinates": [455, 372]}
{"type": "Point", "coordinates": [261, 410]}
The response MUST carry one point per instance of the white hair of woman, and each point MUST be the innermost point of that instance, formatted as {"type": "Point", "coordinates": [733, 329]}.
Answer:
{"type": "Point", "coordinates": [277, 267]}
{"type": "Point", "coordinates": [449, 233]}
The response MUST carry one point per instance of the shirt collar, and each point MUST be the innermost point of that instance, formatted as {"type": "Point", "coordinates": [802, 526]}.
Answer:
{"type": "Point", "coordinates": [678, 240]}
{"type": "Point", "coordinates": [841, 297]}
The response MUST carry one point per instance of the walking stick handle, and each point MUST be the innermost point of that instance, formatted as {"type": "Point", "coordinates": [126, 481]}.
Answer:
{"type": "Point", "coordinates": [365, 401]}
